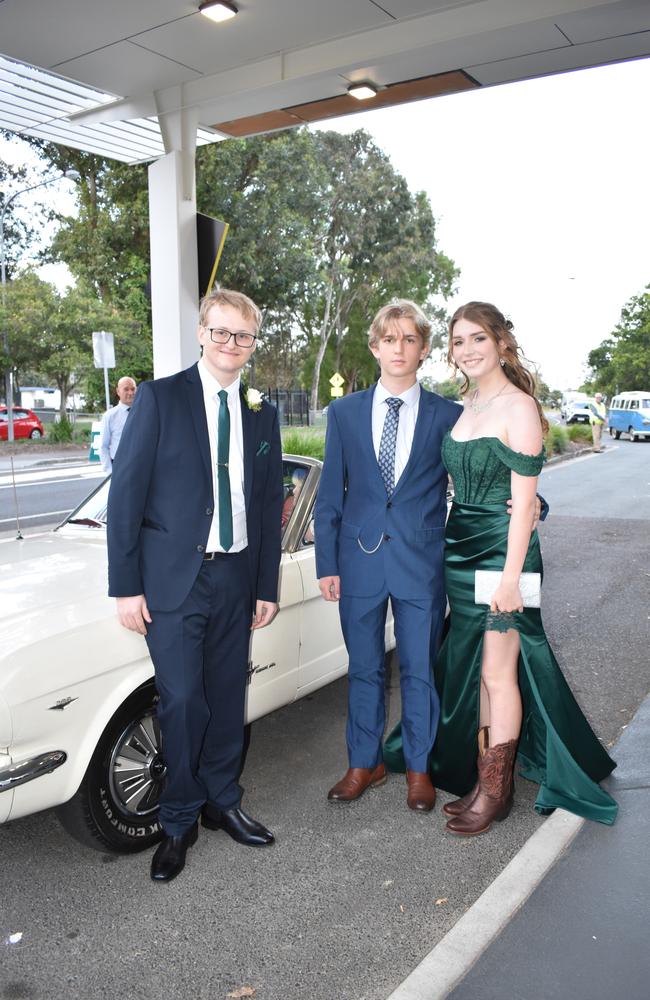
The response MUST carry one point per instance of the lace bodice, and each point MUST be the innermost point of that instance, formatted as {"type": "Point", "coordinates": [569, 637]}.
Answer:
{"type": "Point", "coordinates": [481, 467]}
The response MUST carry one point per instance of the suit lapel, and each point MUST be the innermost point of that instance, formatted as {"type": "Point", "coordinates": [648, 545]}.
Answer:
{"type": "Point", "coordinates": [249, 427]}
{"type": "Point", "coordinates": [423, 423]}
{"type": "Point", "coordinates": [197, 409]}
{"type": "Point", "coordinates": [365, 427]}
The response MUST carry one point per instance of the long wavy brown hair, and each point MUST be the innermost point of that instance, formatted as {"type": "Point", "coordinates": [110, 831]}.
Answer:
{"type": "Point", "coordinates": [499, 329]}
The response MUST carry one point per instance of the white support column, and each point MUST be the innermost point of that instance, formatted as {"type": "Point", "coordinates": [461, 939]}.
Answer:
{"type": "Point", "coordinates": [174, 258]}
{"type": "Point", "coordinates": [174, 267]}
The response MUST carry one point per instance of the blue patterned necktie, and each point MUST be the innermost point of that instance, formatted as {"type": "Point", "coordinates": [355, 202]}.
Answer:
{"type": "Point", "coordinates": [387, 445]}
{"type": "Point", "coordinates": [223, 475]}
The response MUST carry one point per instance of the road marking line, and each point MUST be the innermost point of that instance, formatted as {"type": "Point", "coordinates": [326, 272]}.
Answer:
{"type": "Point", "coordinates": [32, 517]}
{"type": "Point", "coordinates": [47, 482]}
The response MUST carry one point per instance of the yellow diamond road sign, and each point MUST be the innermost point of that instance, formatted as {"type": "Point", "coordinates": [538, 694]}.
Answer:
{"type": "Point", "coordinates": [337, 380]}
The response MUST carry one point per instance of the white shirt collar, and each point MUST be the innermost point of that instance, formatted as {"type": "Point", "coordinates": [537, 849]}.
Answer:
{"type": "Point", "coordinates": [211, 386]}
{"type": "Point", "coordinates": [409, 398]}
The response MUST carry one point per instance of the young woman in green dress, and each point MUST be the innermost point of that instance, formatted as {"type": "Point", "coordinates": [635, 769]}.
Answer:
{"type": "Point", "coordinates": [501, 690]}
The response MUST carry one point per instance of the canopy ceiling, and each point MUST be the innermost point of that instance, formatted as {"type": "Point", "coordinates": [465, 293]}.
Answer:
{"type": "Point", "coordinates": [100, 75]}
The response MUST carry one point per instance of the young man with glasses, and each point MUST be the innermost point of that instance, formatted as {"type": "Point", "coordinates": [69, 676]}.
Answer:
{"type": "Point", "coordinates": [194, 523]}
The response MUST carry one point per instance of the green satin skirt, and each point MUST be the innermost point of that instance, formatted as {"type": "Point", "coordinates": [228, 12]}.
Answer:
{"type": "Point", "coordinates": [557, 749]}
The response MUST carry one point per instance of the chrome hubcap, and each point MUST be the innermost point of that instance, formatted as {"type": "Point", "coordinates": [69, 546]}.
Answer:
{"type": "Point", "coordinates": [137, 768]}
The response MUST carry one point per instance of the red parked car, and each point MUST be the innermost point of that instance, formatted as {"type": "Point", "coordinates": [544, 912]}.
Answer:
{"type": "Point", "coordinates": [26, 424]}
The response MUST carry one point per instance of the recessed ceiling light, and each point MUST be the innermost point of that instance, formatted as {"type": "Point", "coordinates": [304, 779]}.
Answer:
{"type": "Point", "coordinates": [362, 91]}
{"type": "Point", "coordinates": [218, 10]}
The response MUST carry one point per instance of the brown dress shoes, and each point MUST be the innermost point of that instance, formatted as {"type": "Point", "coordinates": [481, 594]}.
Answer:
{"type": "Point", "coordinates": [421, 795]}
{"type": "Point", "coordinates": [355, 781]}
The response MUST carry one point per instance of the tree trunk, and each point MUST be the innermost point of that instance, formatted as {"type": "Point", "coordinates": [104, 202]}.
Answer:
{"type": "Point", "coordinates": [325, 332]}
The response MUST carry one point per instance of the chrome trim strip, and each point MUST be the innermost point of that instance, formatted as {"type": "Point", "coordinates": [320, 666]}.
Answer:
{"type": "Point", "coordinates": [27, 770]}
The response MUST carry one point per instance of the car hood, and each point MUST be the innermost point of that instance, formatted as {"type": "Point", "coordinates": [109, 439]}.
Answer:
{"type": "Point", "coordinates": [55, 616]}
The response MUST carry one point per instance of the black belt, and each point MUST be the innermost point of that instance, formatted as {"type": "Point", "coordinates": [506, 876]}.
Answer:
{"type": "Point", "coordinates": [209, 556]}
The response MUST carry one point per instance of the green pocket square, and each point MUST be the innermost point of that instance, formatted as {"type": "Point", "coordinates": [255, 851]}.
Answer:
{"type": "Point", "coordinates": [264, 448]}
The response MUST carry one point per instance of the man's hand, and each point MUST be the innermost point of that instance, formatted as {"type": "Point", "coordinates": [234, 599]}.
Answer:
{"type": "Point", "coordinates": [133, 613]}
{"type": "Point", "coordinates": [330, 587]}
{"type": "Point", "coordinates": [265, 612]}
{"type": "Point", "coordinates": [536, 515]}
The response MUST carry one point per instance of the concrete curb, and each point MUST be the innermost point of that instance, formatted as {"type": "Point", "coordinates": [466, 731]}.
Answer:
{"type": "Point", "coordinates": [446, 964]}
{"type": "Point", "coordinates": [567, 456]}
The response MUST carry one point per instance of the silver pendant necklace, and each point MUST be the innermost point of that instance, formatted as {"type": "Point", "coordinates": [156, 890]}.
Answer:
{"type": "Point", "coordinates": [480, 407]}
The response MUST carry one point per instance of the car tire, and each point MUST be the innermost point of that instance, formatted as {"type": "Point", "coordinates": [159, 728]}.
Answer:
{"type": "Point", "coordinates": [36, 434]}
{"type": "Point", "coordinates": [617, 435]}
{"type": "Point", "coordinates": [116, 809]}
{"type": "Point", "coordinates": [632, 434]}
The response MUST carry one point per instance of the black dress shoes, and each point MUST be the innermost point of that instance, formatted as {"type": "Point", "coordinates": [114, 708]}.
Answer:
{"type": "Point", "coordinates": [237, 825]}
{"type": "Point", "coordinates": [169, 859]}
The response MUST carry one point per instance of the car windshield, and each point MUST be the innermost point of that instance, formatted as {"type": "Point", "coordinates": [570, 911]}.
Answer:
{"type": "Point", "coordinates": [92, 511]}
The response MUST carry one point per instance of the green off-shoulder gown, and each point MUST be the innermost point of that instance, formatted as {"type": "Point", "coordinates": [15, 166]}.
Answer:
{"type": "Point", "coordinates": [557, 748]}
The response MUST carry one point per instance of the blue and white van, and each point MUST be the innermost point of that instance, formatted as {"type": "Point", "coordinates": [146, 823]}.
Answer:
{"type": "Point", "coordinates": [629, 413]}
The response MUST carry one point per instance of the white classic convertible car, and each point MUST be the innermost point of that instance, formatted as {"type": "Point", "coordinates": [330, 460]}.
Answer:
{"type": "Point", "coordinates": [78, 728]}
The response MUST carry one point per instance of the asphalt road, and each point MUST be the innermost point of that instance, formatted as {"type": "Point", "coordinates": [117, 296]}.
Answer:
{"type": "Point", "coordinates": [351, 897]}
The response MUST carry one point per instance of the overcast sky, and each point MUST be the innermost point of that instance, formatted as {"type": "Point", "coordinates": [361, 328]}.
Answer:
{"type": "Point", "coordinates": [541, 190]}
{"type": "Point", "coordinates": [541, 194]}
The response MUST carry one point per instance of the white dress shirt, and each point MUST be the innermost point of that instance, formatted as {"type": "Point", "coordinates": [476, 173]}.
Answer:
{"type": "Point", "coordinates": [110, 433]}
{"type": "Point", "coordinates": [408, 414]}
{"type": "Point", "coordinates": [211, 388]}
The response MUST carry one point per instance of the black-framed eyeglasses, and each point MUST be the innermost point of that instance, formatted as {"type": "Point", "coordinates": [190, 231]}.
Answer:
{"type": "Point", "coordinates": [219, 335]}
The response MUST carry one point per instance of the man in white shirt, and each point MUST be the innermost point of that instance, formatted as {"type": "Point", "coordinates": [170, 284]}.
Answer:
{"type": "Point", "coordinates": [194, 515]}
{"type": "Point", "coordinates": [113, 423]}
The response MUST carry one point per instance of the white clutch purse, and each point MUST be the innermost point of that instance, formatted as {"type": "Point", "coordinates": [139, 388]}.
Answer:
{"type": "Point", "coordinates": [486, 582]}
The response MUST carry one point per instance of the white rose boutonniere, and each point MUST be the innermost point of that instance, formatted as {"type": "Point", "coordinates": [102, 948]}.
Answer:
{"type": "Point", "coordinates": [254, 399]}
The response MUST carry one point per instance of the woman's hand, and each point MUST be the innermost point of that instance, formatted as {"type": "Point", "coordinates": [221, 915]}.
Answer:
{"type": "Point", "coordinates": [507, 597]}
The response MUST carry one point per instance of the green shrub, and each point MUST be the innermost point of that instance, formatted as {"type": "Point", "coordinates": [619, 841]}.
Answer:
{"type": "Point", "coordinates": [580, 432]}
{"type": "Point", "coordinates": [60, 432]}
{"type": "Point", "coordinates": [304, 441]}
{"type": "Point", "coordinates": [81, 434]}
{"type": "Point", "coordinates": [556, 440]}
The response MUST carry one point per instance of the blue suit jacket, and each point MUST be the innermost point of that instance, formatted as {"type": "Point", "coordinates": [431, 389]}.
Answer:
{"type": "Point", "coordinates": [161, 498]}
{"type": "Point", "coordinates": [353, 512]}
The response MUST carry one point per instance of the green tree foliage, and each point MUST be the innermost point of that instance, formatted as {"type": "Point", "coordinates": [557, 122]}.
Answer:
{"type": "Point", "coordinates": [106, 246]}
{"type": "Point", "coordinates": [621, 363]}
{"type": "Point", "coordinates": [323, 231]}
{"type": "Point", "coordinates": [50, 335]}
{"type": "Point", "coordinates": [377, 242]}
{"type": "Point", "coordinates": [18, 231]}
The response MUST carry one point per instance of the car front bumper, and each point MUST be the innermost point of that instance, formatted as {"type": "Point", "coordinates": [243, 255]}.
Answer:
{"type": "Point", "coordinates": [22, 771]}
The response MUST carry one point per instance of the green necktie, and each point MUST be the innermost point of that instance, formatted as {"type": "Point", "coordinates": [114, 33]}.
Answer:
{"type": "Point", "coordinates": [223, 476]}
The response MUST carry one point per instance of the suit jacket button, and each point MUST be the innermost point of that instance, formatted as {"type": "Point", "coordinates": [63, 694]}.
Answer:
{"type": "Point", "coordinates": [200, 548]}
{"type": "Point", "coordinates": [387, 538]}
{"type": "Point", "coordinates": [208, 511]}
{"type": "Point", "coordinates": [389, 504]}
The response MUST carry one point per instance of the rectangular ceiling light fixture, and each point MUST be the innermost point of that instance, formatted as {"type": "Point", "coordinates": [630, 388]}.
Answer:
{"type": "Point", "coordinates": [362, 91]}
{"type": "Point", "coordinates": [218, 10]}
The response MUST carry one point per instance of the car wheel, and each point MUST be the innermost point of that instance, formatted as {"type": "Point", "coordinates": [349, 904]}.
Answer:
{"type": "Point", "coordinates": [116, 806]}
{"type": "Point", "coordinates": [633, 436]}
{"type": "Point", "coordinates": [35, 434]}
{"type": "Point", "coordinates": [617, 435]}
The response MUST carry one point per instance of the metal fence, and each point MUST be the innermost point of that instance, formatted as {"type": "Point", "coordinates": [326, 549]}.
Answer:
{"type": "Point", "coordinates": [292, 404]}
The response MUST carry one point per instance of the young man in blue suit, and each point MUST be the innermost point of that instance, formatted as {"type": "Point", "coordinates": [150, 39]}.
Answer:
{"type": "Point", "coordinates": [380, 521]}
{"type": "Point", "coordinates": [194, 522]}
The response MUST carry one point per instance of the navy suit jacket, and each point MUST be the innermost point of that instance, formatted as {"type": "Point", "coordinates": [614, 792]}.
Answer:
{"type": "Point", "coordinates": [161, 497]}
{"type": "Point", "coordinates": [371, 542]}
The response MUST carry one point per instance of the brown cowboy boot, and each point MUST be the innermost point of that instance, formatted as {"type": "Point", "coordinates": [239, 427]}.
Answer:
{"type": "Point", "coordinates": [495, 793]}
{"type": "Point", "coordinates": [355, 781]}
{"type": "Point", "coordinates": [458, 806]}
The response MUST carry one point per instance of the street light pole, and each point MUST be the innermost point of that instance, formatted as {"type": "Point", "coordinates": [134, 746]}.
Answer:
{"type": "Point", "coordinates": [9, 375]}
